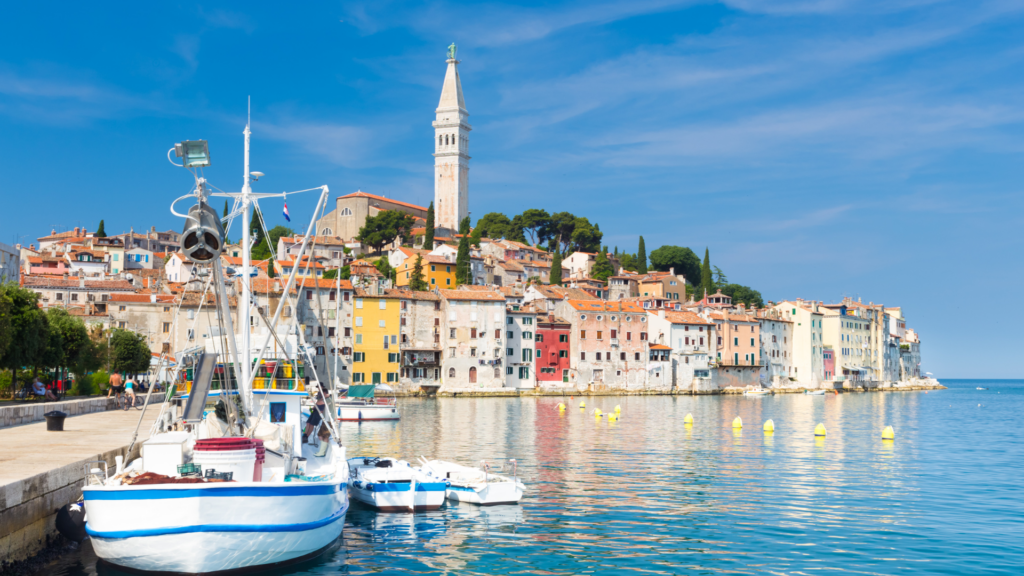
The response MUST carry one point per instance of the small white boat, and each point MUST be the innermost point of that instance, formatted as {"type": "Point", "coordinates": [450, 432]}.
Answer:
{"type": "Point", "coordinates": [479, 485]}
{"type": "Point", "coordinates": [362, 403]}
{"type": "Point", "coordinates": [757, 392]}
{"type": "Point", "coordinates": [391, 485]}
{"type": "Point", "coordinates": [814, 392]}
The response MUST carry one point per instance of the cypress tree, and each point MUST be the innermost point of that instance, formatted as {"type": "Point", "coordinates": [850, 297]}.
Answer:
{"type": "Point", "coordinates": [464, 226]}
{"type": "Point", "coordinates": [641, 257]}
{"type": "Point", "coordinates": [255, 228]}
{"type": "Point", "coordinates": [706, 283]}
{"type": "Point", "coordinates": [100, 232]}
{"type": "Point", "coordinates": [556, 269]}
{"type": "Point", "coordinates": [417, 282]}
{"type": "Point", "coordinates": [428, 235]}
{"type": "Point", "coordinates": [602, 267]}
{"type": "Point", "coordinates": [463, 273]}
{"type": "Point", "coordinates": [270, 268]}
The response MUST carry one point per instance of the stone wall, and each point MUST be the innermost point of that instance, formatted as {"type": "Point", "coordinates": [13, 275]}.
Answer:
{"type": "Point", "coordinates": [33, 412]}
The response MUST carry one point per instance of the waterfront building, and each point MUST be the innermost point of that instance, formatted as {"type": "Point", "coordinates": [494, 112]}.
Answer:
{"type": "Point", "coordinates": [84, 261]}
{"type": "Point", "coordinates": [776, 339]}
{"type": "Point", "coordinates": [808, 340]}
{"type": "Point", "coordinates": [910, 356]}
{"type": "Point", "coordinates": [894, 332]}
{"type": "Point", "coordinates": [155, 317]}
{"type": "Point", "coordinates": [688, 337]}
{"type": "Point", "coordinates": [513, 296]}
{"type": "Point", "coordinates": [376, 356]}
{"type": "Point", "coordinates": [521, 340]}
{"type": "Point", "coordinates": [553, 350]}
{"type": "Point", "coordinates": [472, 330]}
{"type": "Point", "coordinates": [828, 364]}
{"type": "Point", "coordinates": [551, 298]}
{"type": "Point", "coordinates": [608, 344]}
{"type": "Point", "coordinates": [737, 347]}
{"type": "Point", "coordinates": [667, 285]}
{"type": "Point", "coordinates": [167, 241]}
{"type": "Point", "coordinates": [134, 259]}
{"type": "Point", "coordinates": [327, 250]}
{"type": "Point", "coordinates": [307, 269]}
{"type": "Point", "coordinates": [399, 255]}
{"type": "Point", "coordinates": [623, 286]}
{"type": "Point", "coordinates": [848, 335]}
{"type": "Point", "coordinates": [178, 268]}
{"type": "Point", "coordinates": [421, 341]}
{"type": "Point", "coordinates": [451, 152]}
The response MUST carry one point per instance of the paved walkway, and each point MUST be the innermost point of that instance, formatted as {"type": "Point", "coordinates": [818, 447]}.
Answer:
{"type": "Point", "coordinates": [30, 449]}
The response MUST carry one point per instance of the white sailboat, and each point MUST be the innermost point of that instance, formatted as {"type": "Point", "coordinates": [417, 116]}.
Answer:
{"type": "Point", "coordinates": [232, 488]}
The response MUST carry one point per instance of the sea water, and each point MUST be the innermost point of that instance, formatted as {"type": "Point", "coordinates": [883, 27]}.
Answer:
{"type": "Point", "coordinates": [649, 495]}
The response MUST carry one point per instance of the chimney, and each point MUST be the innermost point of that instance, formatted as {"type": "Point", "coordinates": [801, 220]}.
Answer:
{"type": "Point", "coordinates": [53, 232]}
{"type": "Point", "coordinates": [152, 298]}
{"type": "Point", "coordinates": [81, 282]}
{"type": "Point", "coordinates": [65, 275]}
{"type": "Point", "coordinates": [661, 313]}
{"type": "Point", "coordinates": [76, 231]}
{"type": "Point", "coordinates": [671, 271]}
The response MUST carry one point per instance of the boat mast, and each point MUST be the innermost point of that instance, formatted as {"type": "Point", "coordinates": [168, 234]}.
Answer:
{"type": "Point", "coordinates": [245, 302]}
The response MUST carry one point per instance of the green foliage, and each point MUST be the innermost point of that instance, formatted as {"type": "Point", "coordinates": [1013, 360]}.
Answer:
{"type": "Point", "coordinates": [417, 282]}
{"type": "Point", "coordinates": [556, 269]}
{"type": "Point", "coordinates": [464, 226]}
{"type": "Point", "coordinates": [6, 329]}
{"type": "Point", "coordinates": [493, 225]}
{"type": "Point", "coordinates": [720, 278]}
{"type": "Point", "coordinates": [29, 329]}
{"type": "Point", "coordinates": [683, 260]}
{"type": "Point", "coordinates": [270, 267]}
{"type": "Point", "coordinates": [463, 272]}
{"type": "Point", "coordinates": [641, 257]}
{"type": "Point", "coordinates": [534, 224]}
{"type": "Point", "coordinates": [99, 380]}
{"type": "Point", "coordinates": [627, 262]}
{"type": "Point", "coordinates": [744, 295]}
{"type": "Point", "coordinates": [602, 269]}
{"type": "Point", "coordinates": [476, 236]}
{"type": "Point", "coordinates": [255, 227]}
{"type": "Point", "coordinates": [384, 267]}
{"type": "Point", "coordinates": [707, 283]}
{"type": "Point", "coordinates": [101, 232]}
{"type": "Point", "coordinates": [76, 349]}
{"type": "Point", "coordinates": [384, 228]}
{"type": "Point", "coordinates": [128, 352]}
{"type": "Point", "coordinates": [428, 236]}
{"type": "Point", "coordinates": [346, 273]}
{"type": "Point", "coordinates": [262, 250]}
{"type": "Point", "coordinates": [82, 386]}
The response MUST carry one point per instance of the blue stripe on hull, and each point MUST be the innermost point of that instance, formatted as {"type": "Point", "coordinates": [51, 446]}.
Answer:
{"type": "Point", "coordinates": [431, 487]}
{"type": "Point", "coordinates": [218, 528]}
{"type": "Point", "coordinates": [218, 492]}
{"type": "Point", "coordinates": [462, 488]}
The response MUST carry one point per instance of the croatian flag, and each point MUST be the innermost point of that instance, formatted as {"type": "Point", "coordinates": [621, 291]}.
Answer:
{"type": "Point", "coordinates": [285, 212]}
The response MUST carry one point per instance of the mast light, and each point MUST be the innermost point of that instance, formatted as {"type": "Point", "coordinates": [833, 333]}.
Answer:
{"type": "Point", "coordinates": [196, 153]}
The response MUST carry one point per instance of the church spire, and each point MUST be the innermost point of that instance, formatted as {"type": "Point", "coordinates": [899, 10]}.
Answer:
{"type": "Point", "coordinates": [451, 151]}
{"type": "Point", "coordinates": [451, 92]}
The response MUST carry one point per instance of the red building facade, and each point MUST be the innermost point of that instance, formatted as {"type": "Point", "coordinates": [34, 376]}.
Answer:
{"type": "Point", "coordinates": [552, 350]}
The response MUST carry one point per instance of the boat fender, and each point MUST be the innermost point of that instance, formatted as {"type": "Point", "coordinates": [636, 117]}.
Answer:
{"type": "Point", "coordinates": [71, 521]}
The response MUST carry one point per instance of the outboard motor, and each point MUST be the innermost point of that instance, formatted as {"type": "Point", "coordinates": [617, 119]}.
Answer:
{"type": "Point", "coordinates": [71, 521]}
{"type": "Point", "coordinates": [203, 237]}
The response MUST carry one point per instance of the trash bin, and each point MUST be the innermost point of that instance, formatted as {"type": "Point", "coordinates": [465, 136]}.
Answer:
{"type": "Point", "coordinates": [55, 420]}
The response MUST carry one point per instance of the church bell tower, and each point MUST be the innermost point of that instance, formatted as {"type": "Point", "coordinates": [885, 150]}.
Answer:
{"type": "Point", "coordinates": [451, 151]}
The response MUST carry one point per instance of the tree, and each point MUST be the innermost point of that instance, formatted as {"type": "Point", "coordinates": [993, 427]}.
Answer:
{"type": "Point", "coordinates": [75, 347]}
{"type": "Point", "coordinates": [641, 257]}
{"type": "Point", "coordinates": [627, 262]}
{"type": "Point", "coordinates": [464, 227]}
{"type": "Point", "coordinates": [28, 331]}
{"type": "Point", "coordinates": [344, 271]}
{"type": "Point", "coordinates": [493, 225]}
{"type": "Point", "coordinates": [270, 267]}
{"type": "Point", "coordinates": [707, 284]}
{"type": "Point", "coordinates": [602, 269]}
{"type": "Point", "coordinates": [515, 230]}
{"type": "Point", "coordinates": [383, 265]}
{"type": "Point", "coordinates": [417, 282]}
{"type": "Point", "coordinates": [743, 294]}
{"type": "Point", "coordinates": [556, 269]}
{"type": "Point", "coordinates": [100, 231]}
{"type": "Point", "coordinates": [559, 230]}
{"type": "Point", "coordinates": [586, 237]}
{"type": "Point", "coordinates": [428, 235]}
{"type": "Point", "coordinates": [534, 223]}
{"type": "Point", "coordinates": [463, 273]}
{"type": "Point", "coordinates": [720, 277]}
{"type": "Point", "coordinates": [683, 260]}
{"type": "Point", "coordinates": [128, 352]}
{"type": "Point", "coordinates": [262, 250]}
{"type": "Point", "coordinates": [384, 228]}
{"type": "Point", "coordinates": [255, 227]}
{"type": "Point", "coordinates": [476, 236]}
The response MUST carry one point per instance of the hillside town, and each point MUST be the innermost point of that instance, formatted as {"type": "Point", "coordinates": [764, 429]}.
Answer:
{"type": "Point", "coordinates": [412, 296]}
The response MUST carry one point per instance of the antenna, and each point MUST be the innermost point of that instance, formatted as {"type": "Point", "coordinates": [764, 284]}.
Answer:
{"type": "Point", "coordinates": [248, 114]}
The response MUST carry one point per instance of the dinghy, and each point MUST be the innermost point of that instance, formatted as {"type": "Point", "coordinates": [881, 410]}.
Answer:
{"type": "Point", "coordinates": [391, 485]}
{"type": "Point", "coordinates": [364, 403]}
{"type": "Point", "coordinates": [814, 392]}
{"type": "Point", "coordinates": [486, 486]}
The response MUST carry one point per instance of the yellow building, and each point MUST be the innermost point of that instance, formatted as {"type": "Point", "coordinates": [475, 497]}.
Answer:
{"type": "Point", "coordinates": [376, 321]}
{"type": "Point", "coordinates": [438, 272]}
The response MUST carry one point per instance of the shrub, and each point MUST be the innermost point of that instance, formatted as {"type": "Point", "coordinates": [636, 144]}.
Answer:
{"type": "Point", "coordinates": [83, 386]}
{"type": "Point", "coordinates": [99, 380]}
{"type": "Point", "coordinates": [5, 383]}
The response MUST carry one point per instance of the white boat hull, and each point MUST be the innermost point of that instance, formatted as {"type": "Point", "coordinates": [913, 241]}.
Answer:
{"type": "Point", "coordinates": [493, 494]}
{"type": "Point", "coordinates": [386, 497]}
{"type": "Point", "coordinates": [195, 528]}
{"type": "Point", "coordinates": [367, 413]}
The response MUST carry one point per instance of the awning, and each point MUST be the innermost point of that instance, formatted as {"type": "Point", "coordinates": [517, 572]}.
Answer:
{"type": "Point", "coordinates": [361, 391]}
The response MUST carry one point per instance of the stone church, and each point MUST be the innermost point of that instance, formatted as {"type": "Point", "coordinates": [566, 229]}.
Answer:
{"type": "Point", "coordinates": [451, 173]}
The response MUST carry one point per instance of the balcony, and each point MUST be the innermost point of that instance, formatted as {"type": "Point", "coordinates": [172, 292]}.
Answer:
{"type": "Point", "coordinates": [421, 357]}
{"type": "Point", "coordinates": [615, 342]}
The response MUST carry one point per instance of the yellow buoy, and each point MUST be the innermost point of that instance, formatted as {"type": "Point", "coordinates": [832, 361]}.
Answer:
{"type": "Point", "coordinates": [618, 409]}
{"type": "Point", "coordinates": [612, 417]}
{"type": "Point", "coordinates": [597, 412]}
{"type": "Point", "coordinates": [888, 433]}
{"type": "Point", "coordinates": [582, 404]}
{"type": "Point", "coordinates": [561, 406]}
{"type": "Point", "coordinates": [737, 422]}
{"type": "Point", "coordinates": [769, 425]}
{"type": "Point", "coordinates": [688, 419]}
{"type": "Point", "coordinates": [819, 430]}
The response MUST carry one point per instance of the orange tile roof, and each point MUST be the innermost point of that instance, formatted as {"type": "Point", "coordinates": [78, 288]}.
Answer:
{"type": "Point", "coordinates": [684, 317]}
{"type": "Point", "coordinates": [264, 285]}
{"type": "Point", "coordinates": [488, 295]}
{"type": "Point", "coordinates": [732, 317]}
{"type": "Point", "coordinates": [305, 262]}
{"type": "Point", "coordinates": [562, 293]}
{"type": "Point", "coordinates": [660, 347]}
{"type": "Point", "coordinates": [361, 194]}
{"type": "Point", "coordinates": [142, 298]}
{"type": "Point", "coordinates": [604, 306]}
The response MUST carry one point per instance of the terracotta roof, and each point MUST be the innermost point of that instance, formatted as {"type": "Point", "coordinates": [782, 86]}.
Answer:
{"type": "Point", "coordinates": [683, 317]}
{"type": "Point", "coordinates": [562, 293]}
{"type": "Point", "coordinates": [53, 282]}
{"type": "Point", "coordinates": [660, 347]}
{"type": "Point", "coordinates": [550, 319]}
{"type": "Point", "coordinates": [510, 265]}
{"type": "Point", "coordinates": [303, 264]}
{"type": "Point", "coordinates": [361, 194]}
{"type": "Point", "coordinates": [143, 298]}
{"type": "Point", "coordinates": [488, 295]}
{"type": "Point", "coordinates": [604, 306]}
{"type": "Point", "coordinates": [264, 285]}
{"type": "Point", "coordinates": [732, 317]}
{"type": "Point", "coordinates": [322, 240]}
{"type": "Point", "coordinates": [413, 294]}
{"type": "Point", "coordinates": [511, 291]}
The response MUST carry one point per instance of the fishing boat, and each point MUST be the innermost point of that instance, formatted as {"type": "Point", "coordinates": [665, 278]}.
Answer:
{"type": "Point", "coordinates": [362, 403]}
{"type": "Point", "coordinates": [225, 482]}
{"type": "Point", "coordinates": [492, 484]}
{"type": "Point", "coordinates": [814, 392]}
{"type": "Point", "coordinates": [391, 485]}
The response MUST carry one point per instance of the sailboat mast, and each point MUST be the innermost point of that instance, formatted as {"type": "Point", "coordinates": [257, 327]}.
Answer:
{"type": "Point", "coordinates": [245, 302]}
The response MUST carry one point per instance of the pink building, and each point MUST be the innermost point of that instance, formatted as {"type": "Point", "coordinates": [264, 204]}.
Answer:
{"type": "Point", "coordinates": [828, 363]}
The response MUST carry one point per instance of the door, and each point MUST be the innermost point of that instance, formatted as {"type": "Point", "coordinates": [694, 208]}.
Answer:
{"type": "Point", "coordinates": [565, 375]}
{"type": "Point", "coordinates": [472, 375]}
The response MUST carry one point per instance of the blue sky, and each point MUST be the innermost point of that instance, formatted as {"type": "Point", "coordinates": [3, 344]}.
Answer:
{"type": "Point", "coordinates": [820, 148]}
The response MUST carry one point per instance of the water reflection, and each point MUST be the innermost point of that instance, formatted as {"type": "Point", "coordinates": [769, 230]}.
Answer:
{"type": "Point", "coordinates": [649, 494]}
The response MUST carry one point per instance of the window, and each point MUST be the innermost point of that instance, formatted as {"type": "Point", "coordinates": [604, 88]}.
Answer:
{"type": "Point", "coordinates": [524, 372]}
{"type": "Point", "coordinates": [392, 376]}
{"type": "Point", "coordinates": [392, 357]}
{"type": "Point", "coordinates": [472, 352]}
{"type": "Point", "coordinates": [380, 324]}
{"type": "Point", "coordinates": [563, 337]}
{"type": "Point", "coordinates": [472, 374]}
{"type": "Point", "coordinates": [359, 321]}
{"type": "Point", "coordinates": [600, 335]}
{"type": "Point", "coordinates": [309, 294]}
{"type": "Point", "coordinates": [583, 355]}
{"type": "Point", "coordinates": [643, 336]}
{"type": "Point", "coordinates": [375, 378]}
{"type": "Point", "coordinates": [472, 332]}
{"type": "Point", "coordinates": [508, 370]}
{"type": "Point", "coordinates": [583, 334]}
{"type": "Point", "coordinates": [701, 340]}
{"type": "Point", "coordinates": [320, 351]}
{"type": "Point", "coordinates": [359, 303]}
{"type": "Point", "coordinates": [357, 377]}
{"type": "Point", "coordinates": [751, 341]}
{"type": "Point", "coordinates": [191, 335]}
{"type": "Point", "coordinates": [527, 354]}
{"type": "Point", "coordinates": [735, 341]}
{"type": "Point", "coordinates": [527, 335]}
{"type": "Point", "coordinates": [359, 357]}
{"type": "Point", "coordinates": [540, 337]}
{"type": "Point", "coordinates": [719, 340]}
{"type": "Point", "coordinates": [167, 327]}
{"type": "Point", "coordinates": [629, 335]}
{"type": "Point", "coordinates": [508, 320]}
{"type": "Point", "coordinates": [637, 356]}
{"type": "Point", "coordinates": [563, 353]}
{"type": "Point", "coordinates": [433, 268]}
{"type": "Point", "coordinates": [598, 356]}
{"type": "Point", "coordinates": [509, 352]}
{"type": "Point", "coordinates": [583, 316]}
{"type": "Point", "coordinates": [359, 338]}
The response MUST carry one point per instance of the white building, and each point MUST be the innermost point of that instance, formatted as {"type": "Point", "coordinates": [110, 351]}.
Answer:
{"type": "Point", "coordinates": [776, 336]}
{"type": "Point", "coordinates": [520, 348]}
{"type": "Point", "coordinates": [451, 151]}
{"type": "Point", "coordinates": [689, 337]}
{"type": "Point", "coordinates": [177, 268]}
{"type": "Point", "coordinates": [474, 345]}
{"type": "Point", "coordinates": [808, 341]}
